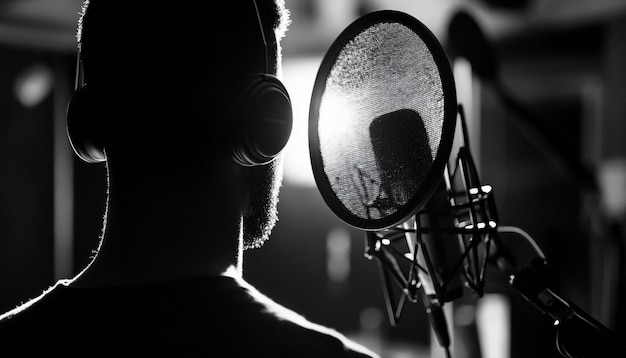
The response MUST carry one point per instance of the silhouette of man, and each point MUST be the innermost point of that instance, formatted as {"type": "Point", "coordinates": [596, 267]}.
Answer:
{"type": "Point", "coordinates": [162, 110]}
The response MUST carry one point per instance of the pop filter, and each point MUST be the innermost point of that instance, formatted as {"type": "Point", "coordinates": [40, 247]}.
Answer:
{"type": "Point", "coordinates": [382, 120]}
{"type": "Point", "coordinates": [381, 128]}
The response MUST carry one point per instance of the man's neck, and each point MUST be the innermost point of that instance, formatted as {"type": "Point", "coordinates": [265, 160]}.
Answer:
{"type": "Point", "coordinates": [155, 234]}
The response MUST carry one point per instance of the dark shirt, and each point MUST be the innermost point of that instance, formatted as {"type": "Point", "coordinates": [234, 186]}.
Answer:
{"type": "Point", "coordinates": [210, 317]}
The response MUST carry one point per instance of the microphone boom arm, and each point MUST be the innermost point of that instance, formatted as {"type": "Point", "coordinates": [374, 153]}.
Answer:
{"type": "Point", "coordinates": [578, 335]}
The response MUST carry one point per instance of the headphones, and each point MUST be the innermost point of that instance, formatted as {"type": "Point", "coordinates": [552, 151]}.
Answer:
{"type": "Point", "coordinates": [257, 132]}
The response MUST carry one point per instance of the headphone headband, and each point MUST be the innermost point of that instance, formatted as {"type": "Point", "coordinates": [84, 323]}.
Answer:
{"type": "Point", "coordinates": [259, 130]}
{"type": "Point", "coordinates": [260, 22]}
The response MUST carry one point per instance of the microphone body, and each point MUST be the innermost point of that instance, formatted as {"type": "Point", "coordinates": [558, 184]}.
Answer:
{"type": "Point", "coordinates": [402, 154]}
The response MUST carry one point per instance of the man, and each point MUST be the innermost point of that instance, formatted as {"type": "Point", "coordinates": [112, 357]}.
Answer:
{"type": "Point", "coordinates": [181, 208]}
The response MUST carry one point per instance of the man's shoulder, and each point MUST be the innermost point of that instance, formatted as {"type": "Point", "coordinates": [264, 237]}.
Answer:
{"type": "Point", "coordinates": [211, 315]}
{"type": "Point", "coordinates": [26, 309]}
{"type": "Point", "coordinates": [297, 332]}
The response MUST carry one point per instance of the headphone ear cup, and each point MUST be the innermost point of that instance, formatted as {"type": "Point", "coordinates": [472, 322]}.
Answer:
{"type": "Point", "coordinates": [263, 121]}
{"type": "Point", "coordinates": [84, 129]}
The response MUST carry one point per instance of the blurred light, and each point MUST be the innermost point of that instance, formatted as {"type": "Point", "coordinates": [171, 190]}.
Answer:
{"type": "Point", "coordinates": [468, 95]}
{"type": "Point", "coordinates": [370, 332]}
{"type": "Point", "coordinates": [33, 85]}
{"type": "Point", "coordinates": [612, 178]}
{"type": "Point", "coordinates": [338, 247]}
{"type": "Point", "coordinates": [494, 326]}
{"type": "Point", "coordinates": [371, 318]}
{"type": "Point", "coordinates": [336, 117]}
{"type": "Point", "coordinates": [299, 78]}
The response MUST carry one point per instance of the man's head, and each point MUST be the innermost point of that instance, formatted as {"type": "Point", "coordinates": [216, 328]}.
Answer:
{"type": "Point", "coordinates": [160, 77]}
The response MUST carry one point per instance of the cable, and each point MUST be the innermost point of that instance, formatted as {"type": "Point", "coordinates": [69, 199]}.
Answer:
{"type": "Point", "coordinates": [526, 236]}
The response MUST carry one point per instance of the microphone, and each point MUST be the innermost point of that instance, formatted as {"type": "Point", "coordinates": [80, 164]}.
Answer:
{"type": "Point", "coordinates": [401, 163]}
{"type": "Point", "coordinates": [401, 149]}
{"type": "Point", "coordinates": [382, 125]}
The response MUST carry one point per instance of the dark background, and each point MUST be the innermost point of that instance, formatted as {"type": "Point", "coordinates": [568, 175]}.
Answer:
{"type": "Point", "coordinates": [561, 60]}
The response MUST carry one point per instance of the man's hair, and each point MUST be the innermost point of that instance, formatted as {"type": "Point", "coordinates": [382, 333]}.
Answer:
{"type": "Point", "coordinates": [157, 43]}
{"type": "Point", "coordinates": [279, 15]}
{"type": "Point", "coordinates": [151, 58]}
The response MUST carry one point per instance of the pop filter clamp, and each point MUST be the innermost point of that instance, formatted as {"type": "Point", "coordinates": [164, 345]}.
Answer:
{"type": "Point", "coordinates": [381, 129]}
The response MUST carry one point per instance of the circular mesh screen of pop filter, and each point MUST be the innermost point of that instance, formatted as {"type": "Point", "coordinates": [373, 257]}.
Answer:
{"type": "Point", "coordinates": [381, 120]}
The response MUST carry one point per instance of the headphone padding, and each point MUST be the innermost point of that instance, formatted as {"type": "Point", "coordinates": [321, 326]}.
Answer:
{"type": "Point", "coordinates": [82, 129]}
{"type": "Point", "coordinates": [263, 120]}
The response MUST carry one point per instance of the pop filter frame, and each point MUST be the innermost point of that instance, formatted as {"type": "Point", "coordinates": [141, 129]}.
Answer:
{"type": "Point", "coordinates": [435, 173]}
